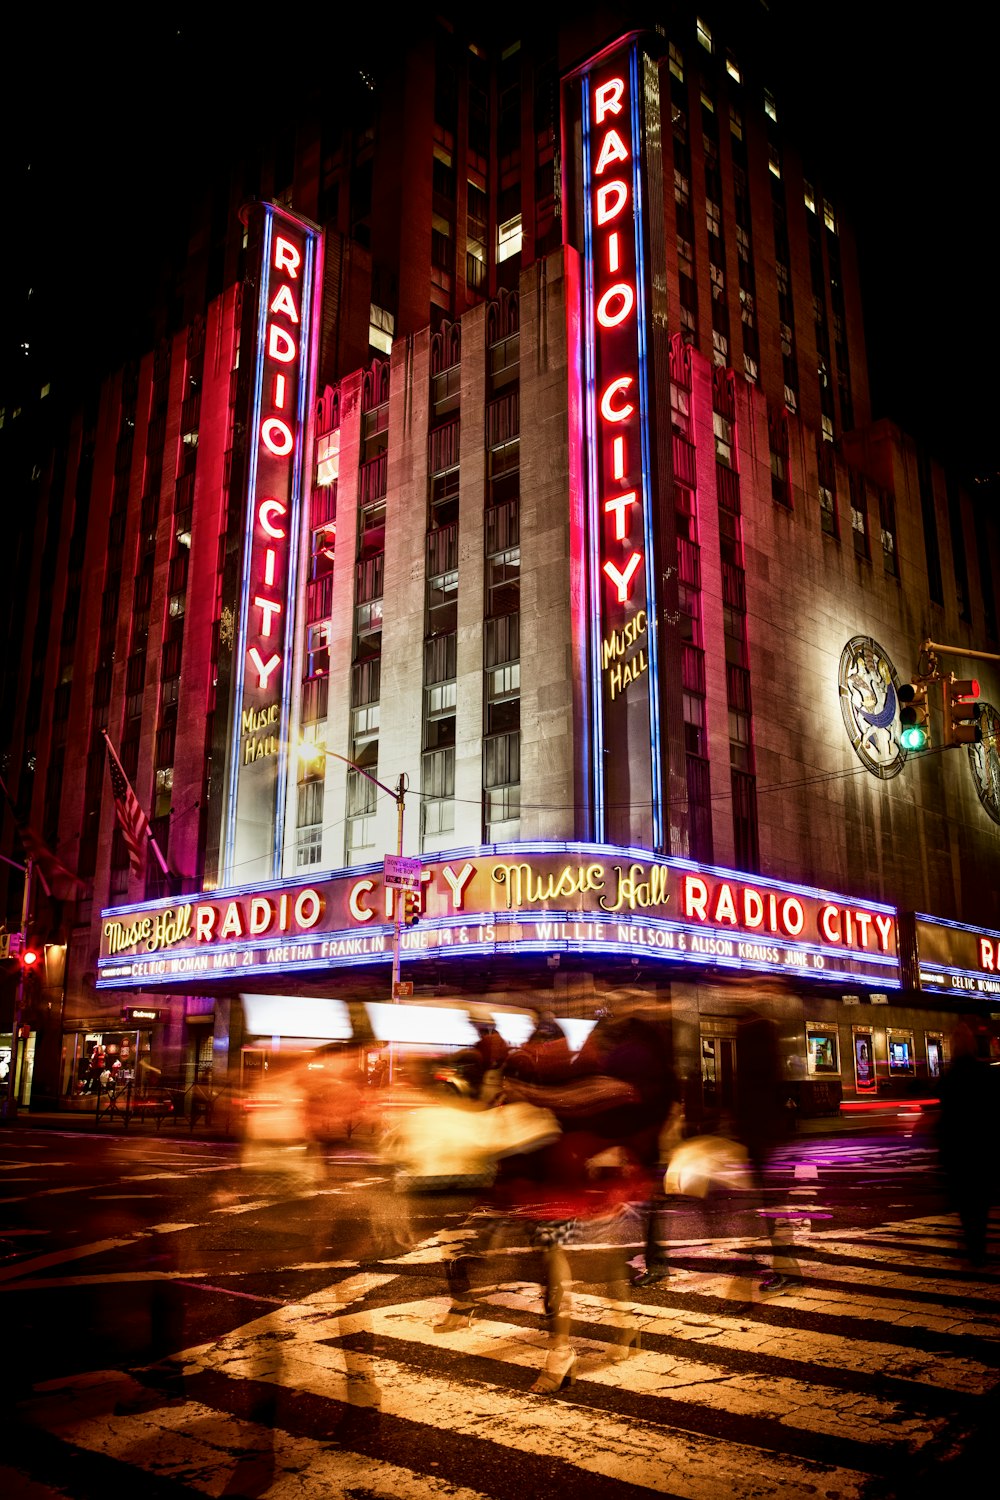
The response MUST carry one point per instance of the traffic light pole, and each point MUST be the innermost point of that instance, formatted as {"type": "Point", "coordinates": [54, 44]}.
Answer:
{"type": "Point", "coordinates": [398, 794]}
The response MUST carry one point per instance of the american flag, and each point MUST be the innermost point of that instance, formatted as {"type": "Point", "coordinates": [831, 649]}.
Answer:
{"type": "Point", "coordinates": [131, 819]}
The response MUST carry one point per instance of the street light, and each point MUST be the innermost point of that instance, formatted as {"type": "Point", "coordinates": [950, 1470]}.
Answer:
{"type": "Point", "coordinates": [310, 751]}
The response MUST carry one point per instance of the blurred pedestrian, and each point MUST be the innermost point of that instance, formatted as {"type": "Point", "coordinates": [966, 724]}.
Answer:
{"type": "Point", "coordinates": [448, 1144]}
{"type": "Point", "coordinates": [611, 1101]}
{"type": "Point", "coordinates": [970, 1117]}
{"type": "Point", "coordinates": [762, 1124]}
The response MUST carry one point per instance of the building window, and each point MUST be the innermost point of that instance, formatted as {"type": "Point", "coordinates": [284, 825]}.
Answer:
{"type": "Point", "coordinates": [733, 68]}
{"type": "Point", "coordinates": [723, 429]}
{"type": "Point", "coordinates": [859, 516]}
{"type": "Point", "coordinates": [887, 528]}
{"type": "Point", "coordinates": [318, 650]}
{"type": "Point", "coordinates": [381, 326]}
{"type": "Point", "coordinates": [704, 35]}
{"type": "Point", "coordinates": [770, 108]}
{"type": "Point", "coordinates": [163, 792]}
{"type": "Point", "coordinates": [829, 217]}
{"type": "Point", "coordinates": [509, 238]}
{"type": "Point", "coordinates": [675, 61]}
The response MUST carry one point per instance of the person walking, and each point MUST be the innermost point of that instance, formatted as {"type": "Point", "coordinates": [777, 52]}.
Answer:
{"type": "Point", "coordinates": [970, 1116]}
{"type": "Point", "coordinates": [762, 1123]}
{"type": "Point", "coordinates": [611, 1101]}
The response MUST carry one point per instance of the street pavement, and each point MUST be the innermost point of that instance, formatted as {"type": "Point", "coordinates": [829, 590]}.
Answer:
{"type": "Point", "coordinates": [232, 1342]}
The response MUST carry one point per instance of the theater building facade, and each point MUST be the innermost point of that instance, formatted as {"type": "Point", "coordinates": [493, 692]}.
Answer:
{"type": "Point", "coordinates": [598, 609]}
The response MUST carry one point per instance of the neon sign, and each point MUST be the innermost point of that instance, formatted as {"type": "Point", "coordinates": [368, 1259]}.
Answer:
{"type": "Point", "coordinates": [952, 958]}
{"type": "Point", "coordinates": [282, 355]}
{"type": "Point", "coordinates": [624, 687]}
{"type": "Point", "coordinates": [583, 897]}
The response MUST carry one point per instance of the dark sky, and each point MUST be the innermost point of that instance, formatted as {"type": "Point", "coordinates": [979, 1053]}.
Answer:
{"type": "Point", "coordinates": [114, 122]}
{"type": "Point", "coordinates": [903, 101]}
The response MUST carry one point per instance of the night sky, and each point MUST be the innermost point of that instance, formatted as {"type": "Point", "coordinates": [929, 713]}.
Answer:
{"type": "Point", "coordinates": [902, 112]}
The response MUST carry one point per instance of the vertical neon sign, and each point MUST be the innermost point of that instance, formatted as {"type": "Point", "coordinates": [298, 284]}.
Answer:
{"type": "Point", "coordinates": [283, 358]}
{"type": "Point", "coordinates": [624, 689]}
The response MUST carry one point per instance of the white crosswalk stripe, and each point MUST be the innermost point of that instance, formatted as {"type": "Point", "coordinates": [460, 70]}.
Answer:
{"type": "Point", "coordinates": [869, 1362]}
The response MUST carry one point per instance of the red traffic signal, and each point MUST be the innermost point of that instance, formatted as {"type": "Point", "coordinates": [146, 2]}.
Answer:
{"type": "Point", "coordinates": [30, 958]}
{"type": "Point", "coordinates": [962, 712]}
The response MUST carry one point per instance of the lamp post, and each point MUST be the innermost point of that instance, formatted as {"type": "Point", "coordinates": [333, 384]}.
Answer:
{"type": "Point", "coordinates": [311, 751]}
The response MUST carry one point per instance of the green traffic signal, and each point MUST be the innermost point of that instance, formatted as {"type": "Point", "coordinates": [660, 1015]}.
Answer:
{"type": "Point", "coordinates": [914, 716]}
{"type": "Point", "coordinates": [914, 737]}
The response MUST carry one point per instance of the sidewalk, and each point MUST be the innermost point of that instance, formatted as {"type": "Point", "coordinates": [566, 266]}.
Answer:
{"type": "Point", "coordinates": [864, 1115]}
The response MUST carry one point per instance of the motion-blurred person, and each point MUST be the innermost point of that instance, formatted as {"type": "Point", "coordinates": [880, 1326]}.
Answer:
{"type": "Point", "coordinates": [762, 1124]}
{"type": "Point", "coordinates": [611, 1101]}
{"type": "Point", "coordinates": [970, 1117]}
{"type": "Point", "coordinates": [448, 1145]}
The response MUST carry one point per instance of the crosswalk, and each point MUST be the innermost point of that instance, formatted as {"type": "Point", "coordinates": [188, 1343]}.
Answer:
{"type": "Point", "coordinates": [866, 1379]}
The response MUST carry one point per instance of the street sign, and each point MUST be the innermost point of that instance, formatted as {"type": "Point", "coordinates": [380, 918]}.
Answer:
{"type": "Point", "coordinates": [402, 989]}
{"type": "Point", "coordinates": [15, 942]}
{"type": "Point", "coordinates": [402, 872]}
{"type": "Point", "coordinates": [139, 1013]}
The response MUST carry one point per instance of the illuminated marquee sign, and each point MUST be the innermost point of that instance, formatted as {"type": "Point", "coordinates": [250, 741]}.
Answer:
{"type": "Point", "coordinates": [575, 898]}
{"type": "Point", "coordinates": [624, 690]}
{"type": "Point", "coordinates": [282, 356]}
{"type": "Point", "coordinates": [952, 959]}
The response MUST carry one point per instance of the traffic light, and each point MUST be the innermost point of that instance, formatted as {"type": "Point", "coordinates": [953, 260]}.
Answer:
{"type": "Point", "coordinates": [962, 712]}
{"type": "Point", "coordinates": [31, 959]}
{"type": "Point", "coordinates": [411, 908]}
{"type": "Point", "coordinates": [914, 715]}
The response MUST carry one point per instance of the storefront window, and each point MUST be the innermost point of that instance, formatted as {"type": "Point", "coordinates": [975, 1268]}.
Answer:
{"type": "Point", "coordinates": [900, 1048]}
{"type": "Point", "coordinates": [864, 1060]}
{"type": "Point", "coordinates": [934, 1054]}
{"type": "Point", "coordinates": [822, 1051]}
{"type": "Point", "coordinates": [93, 1060]}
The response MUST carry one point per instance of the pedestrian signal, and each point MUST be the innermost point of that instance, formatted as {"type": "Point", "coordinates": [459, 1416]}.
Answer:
{"type": "Point", "coordinates": [914, 716]}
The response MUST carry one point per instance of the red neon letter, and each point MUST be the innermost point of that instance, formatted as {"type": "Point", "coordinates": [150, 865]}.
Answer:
{"type": "Point", "coordinates": [232, 922]}
{"type": "Point", "coordinates": [608, 99]}
{"type": "Point", "coordinates": [612, 150]}
{"type": "Point", "coordinates": [611, 199]}
{"type": "Point", "coordinates": [204, 921]}
{"type": "Point", "coordinates": [284, 302]}
{"type": "Point", "coordinates": [792, 916]}
{"type": "Point", "coordinates": [695, 895]}
{"type": "Point", "coordinates": [308, 908]}
{"type": "Point", "coordinates": [618, 508]}
{"type": "Point", "coordinates": [264, 668]}
{"type": "Point", "coordinates": [753, 907]}
{"type": "Point", "coordinates": [621, 290]}
{"type": "Point", "coordinates": [276, 435]}
{"type": "Point", "coordinates": [725, 906]}
{"type": "Point", "coordinates": [884, 925]}
{"type": "Point", "coordinates": [622, 580]}
{"type": "Point", "coordinates": [265, 510]}
{"type": "Point", "coordinates": [286, 257]}
{"type": "Point", "coordinates": [261, 914]}
{"type": "Point", "coordinates": [987, 955]}
{"type": "Point", "coordinates": [828, 923]}
{"type": "Point", "coordinates": [616, 413]}
{"type": "Point", "coordinates": [270, 609]}
{"type": "Point", "coordinates": [280, 344]}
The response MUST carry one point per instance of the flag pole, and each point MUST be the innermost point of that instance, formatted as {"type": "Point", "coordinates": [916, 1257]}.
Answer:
{"type": "Point", "coordinates": [149, 832]}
